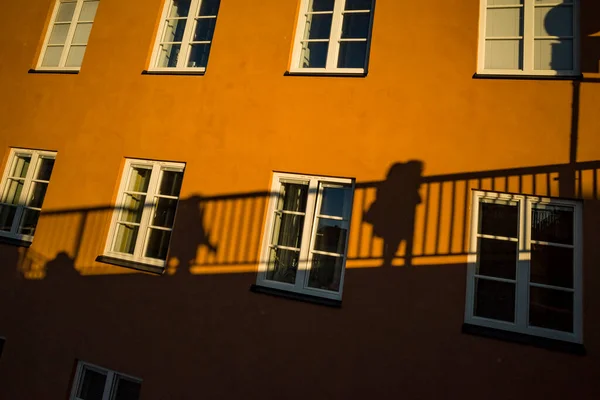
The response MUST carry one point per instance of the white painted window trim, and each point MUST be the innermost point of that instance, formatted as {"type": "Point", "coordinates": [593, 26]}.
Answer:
{"type": "Point", "coordinates": [334, 42]}
{"type": "Point", "coordinates": [185, 43]}
{"type": "Point", "coordinates": [68, 41]}
{"type": "Point", "coordinates": [528, 42]}
{"type": "Point", "coordinates": [149, 205]}
{"type": "Point", "coordinates": [111, 379]}
{"type": "Point", "coordinates": [315, 189]}
{"type": "Point", "coordinates": [27, 185]}
{"type": "Point", "coordinates": [525, 204]}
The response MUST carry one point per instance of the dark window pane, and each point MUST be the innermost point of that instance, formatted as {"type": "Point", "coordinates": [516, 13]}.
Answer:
{"type": "Point", "coordinates": [318, 26]}
{"type": "Point", "coordinates": [209, 7]}
{"type": "Point", "coordinates": [325, 272]}
{"type": "Point", "coordinates": [133, 208]}
{"type": "Point", "coordinates": [199, 55]}
{"type": "Point", "coordinates": [139, 179]}
{"type": "Point", "coordinates": [352, 54]}
{"type": "Point", "coordinates": [174, 29]}
{"type": "Point", "coordinates": [321, 5]}
{"type": "Point", "coordinates": [336, 201]}
{"type": "Point", "coordinates": [7, 215]}
{"type": "Point", "coordinates": [552, 265]}
{"type": "Point", "coordinates": [292, 197]}
{"type": "Point", "coordinates": [552, 224]}
{"type": "Point", "coordinates": [179, 8]}
{"type": "Point", "coordinates": [497, 258]}
{"type": "Point", "coordinates": [168, 55]}
{"type": "Point", "coordinates": [164, 213]}
{"type": "Point", "coordinates": [38, 192]}
{"type": "Point", "coordinates": [127, 390]}
{"type": "Point", "coordinates": [330, 236]}
{"type": "Point", "coordinates": [92, 385]}
{"type": "Point", "coordinates": [20, 166]}
{"type": "Point", "coordinates": [126, 238]}
{"type": "Point", "coordinates": [287, 230]}
{"type": "Point", "coordinates": [158, 244]}
{"type": "Point", "coordinates": [314, 55]}
{"type": "Point", "coordinates": [358, 4]}
{"type": "Point", "coordinates": [170, 185]}
{"type": "Point", "coordinates": [551, 309]}
{"type": "Point", "coordinates": [29, 221]}
{"type": "Point", "coordinates": [356, 26]}
{"type": "Point", "coordinates": [499, 219]}
{"type": "Point", "coordinates": [12, 191]}
{"type": "Point", "coordinates": [495, 300]}
{"type": "Point", "coordinates": [283, 265]}
{"type": "Point", "coordinates": [45, 170]}
{"type": "Point", "coordinates": [205, 28]}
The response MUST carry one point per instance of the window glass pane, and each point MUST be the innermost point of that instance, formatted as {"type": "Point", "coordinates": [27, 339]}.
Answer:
{"type": "Point", "coordinates": [59, 34]}
{"type": "Point", "coordinates": [358, 4]}
{"type": "Point", "coordinates": [553, 21]}
{"type": "Point", "coordinates": [538, 2]}
{"type": "Point", "coordinates": [495, 300]}
{"type": "Point", "coordinates": [292, 197]}
{"type": "Point", "coordinates": [170, 185]}
{"type": "Point", "coordinates": [321, 5]}
{"type": "Point", "coordinates": [45, 167]}
{"type": "Point", "coordinates": [497, 258]}
{"type": "Point", "coordinates": [205, 28]}
{"type": "Point", "coordinates": [65, 12]}
{"type": "Point", "coordinates": [356, 26]}
{"type": "Point", "coordinates": [164, 213]}
{"type": "Point", "coordinates": [504, 22]}
{"type": "Point", "coordinates": [88, 11]}
{"type": "Point", "coordinates": [318, 26]}
{"type": "Point", "coordinates": [499, 219]}
{"type": "Point", "coordinates": [168, 55]}
{"type": "Point", "coordinates": [314, 55]}
{"type": "Point", "coordinates": [209, 7]}
{"type": "Point", "coordinates": [553, 55]}
{"type": "Point", "coordinates": [139, 179]}
{"type": "Point", "coordinates": [179, 8]}
{"type": "Point", "coordinates": [91, 386]}
{"type": "Point", "coordinates": [12, 191]}
{"type": "Point", "coordinates": [287, 230]}
{"type": "Point", "coordinates": [29, 221]}
{"type": "Point", "coordinates": [505, 2]}
{"type": "Point", "coordinates": [126, 389]}
{"type": "Point", "coordinates": [352, 55]}
{"type": "Point", "coordinates": [7, 215]}
{"type": "Point", "coordinates": [82, 33]}
{"type": "Point", "coordinates": [158, 244]}
{"type": "Point", "coordinates": [325, 272]}
{"type": "Point", "coordinates": [552, 224]}
{"type": "Point", "coordinates": [336, 201]}
{"type": "Point", "coordinates": [37, 194]}
{"type": "Point", "coordinates": [20, 166]}
{"type": "Point", "coordinates": [504, 54]}
{"type": "Point", "coordinates": [133, 207]}
{"type": "Point", "coordinates": [552, 265]}
{"type": "Point", "coordinates": [551, 309]}
{"type": "Point", "coordinates": [330, 236]}
{"type": "Point", "coordinates": [198, 55]}
{"type": "Point", "coordinates": [125, 239]}
{"type": "Point", "coordinates": [75, 57]}
{"type": "Point", "coordinates": [282, 265]}
{"type": "Point", "coordinates": [174, 29]}
{"type": "Point", "coordinates": [52, 56]}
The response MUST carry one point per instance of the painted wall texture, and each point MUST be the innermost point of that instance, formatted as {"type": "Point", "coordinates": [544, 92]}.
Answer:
{"type": "Point", "coordinates": [197, 331]}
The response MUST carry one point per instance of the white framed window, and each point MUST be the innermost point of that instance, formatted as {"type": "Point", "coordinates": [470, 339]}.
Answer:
{"type": "Point", "coordinates": [525, 265]}
{"type": "Point", "coordinates": [96, 383]}
{"type": "Point", "coordinates": [23, 189]}
{"type": "Point", "coordinates": [529, 37]}
{"type": "Point", "coordinates": [67, 35]}
{"type": "Point", "coordinates": [306, 235]}
{"type": "Point", "coordinates": [145, 212]}
{"type": "Point", "coordinates": [332, 36]}
{"type": "Point", "coordinates": [185, 35]}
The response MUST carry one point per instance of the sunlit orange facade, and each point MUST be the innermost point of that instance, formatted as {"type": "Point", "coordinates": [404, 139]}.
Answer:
{"type": "Point", "coordinates": [197, 331]}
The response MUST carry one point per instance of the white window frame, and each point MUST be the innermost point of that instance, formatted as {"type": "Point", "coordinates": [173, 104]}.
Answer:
{"type": "Point", "coordinates": [525, 204]}
{"type": "Point", "coordinates": [68, 41]}
{"type": "Point", "coordinates": [528, 42]}
{"type": "Point", "coordinates": [109, 386]}
{"type": "Point", "coordinates": [185, 41]}
{"type": "Point", "coordinates": [149, 205]}
{"type": "Point", "coordinates": [313, 203]}
{"type": "Point", "coordinates": [27, 185]}
{"type": "Point", "coordinates": [333, 50]}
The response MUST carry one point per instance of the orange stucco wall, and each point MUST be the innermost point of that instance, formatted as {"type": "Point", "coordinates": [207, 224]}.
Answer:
{"type": "Point", "coordinates": [203, 333]}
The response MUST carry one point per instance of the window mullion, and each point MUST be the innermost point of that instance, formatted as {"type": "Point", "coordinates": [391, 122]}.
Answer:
{"type": "Point", "coordinates": [335, 35]}
{"type": "Point", "coordinates": [304, 262]}
{"type": "Point", "coordinates": [70, 34]}
{"type": "Point", "coordinates": [187, 34]}
{"type": "Point", "coordinates": [528, 36]}
{"type": "Point", "coordinates": [524, 257]}
{"type": "Point", "coordinates": [107, 385]}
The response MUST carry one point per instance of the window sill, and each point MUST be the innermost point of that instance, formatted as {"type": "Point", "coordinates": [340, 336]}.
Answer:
{"type": "Point", "coordinates": [54, 71]}
{"type": "Point", "coordinates": [173, 72]}
{"type": "Point", "coordinates": [545, 343]}
{"type": "Point", "coordinates": [327, 74]}
{"type": "Point", "coordinates": [529, 77]}
{"type": "Point", "coordinates": [296, 296]}
{"type": "Point", "coordinates": [131, 264]}
{"type": "Point", "coordinates": [14, 242]}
